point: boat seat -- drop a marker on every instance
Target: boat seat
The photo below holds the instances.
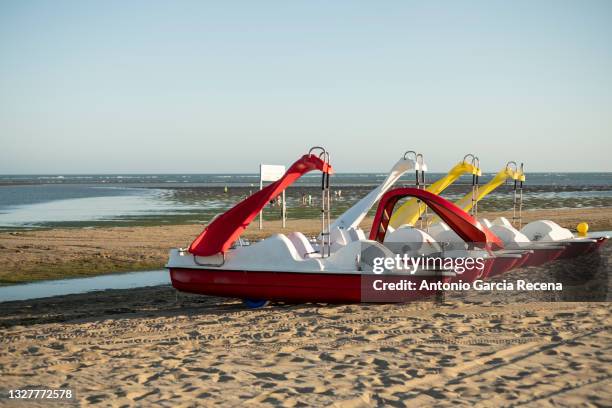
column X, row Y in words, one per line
column 444, row 235
column 437, row 228
column 342, row 237
column 276, row 252
column 338, row 237
column 356, row 234
column 502, row 221
column 486, row 222
column 508, row 234
column 407, row 239
column 302, row 245
column 357, row 254
column 545, row 230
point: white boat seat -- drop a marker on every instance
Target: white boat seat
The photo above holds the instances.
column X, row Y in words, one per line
column 276, row 248
column 356, row 234
column 545, row 230
column 437, row 228
column 447, row 237
column 509, row 234
column 486, row 222
column 502, row 221
column 276, row 252
column 342, row 237
column 338, row 237
column 357, row 254
column 412, row 240
column 302, row 245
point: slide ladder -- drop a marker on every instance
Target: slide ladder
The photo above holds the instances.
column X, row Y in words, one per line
column 517, row 219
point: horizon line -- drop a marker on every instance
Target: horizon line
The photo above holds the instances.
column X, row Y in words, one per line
column 255, row 173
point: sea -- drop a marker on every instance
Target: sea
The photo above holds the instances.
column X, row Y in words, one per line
column 95, row 200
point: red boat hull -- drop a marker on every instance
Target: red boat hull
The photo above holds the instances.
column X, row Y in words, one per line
column 347, row 288
column 299, row 287
column 540, row 256
column 578, row 248
column 502, row 265
column 472, row 274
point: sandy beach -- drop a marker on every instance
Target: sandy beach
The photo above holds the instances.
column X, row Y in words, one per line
column 57, row 253
column 148, row 346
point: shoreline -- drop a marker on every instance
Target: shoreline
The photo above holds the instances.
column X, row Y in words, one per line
column 35, row 255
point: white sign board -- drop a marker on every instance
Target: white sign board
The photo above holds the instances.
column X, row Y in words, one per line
column 270, row 172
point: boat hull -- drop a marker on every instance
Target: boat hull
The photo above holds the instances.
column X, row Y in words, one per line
column 300, row 287
column 577, row 248
column 540, row 256
column 502, row 264
column 330, row 287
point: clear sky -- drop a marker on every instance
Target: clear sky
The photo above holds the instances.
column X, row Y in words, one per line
column 181, row 86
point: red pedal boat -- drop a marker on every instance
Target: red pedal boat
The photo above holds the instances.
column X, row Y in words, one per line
column 290, row 268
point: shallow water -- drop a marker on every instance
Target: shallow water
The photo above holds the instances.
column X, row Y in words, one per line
column 109, row 200
column 61, row 287
column 312, row 179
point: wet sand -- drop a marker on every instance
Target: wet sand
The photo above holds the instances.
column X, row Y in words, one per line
column 52, row 254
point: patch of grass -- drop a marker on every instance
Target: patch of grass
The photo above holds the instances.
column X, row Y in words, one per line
column 74, row 269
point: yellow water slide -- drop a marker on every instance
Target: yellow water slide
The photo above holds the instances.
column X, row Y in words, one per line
column 466, row 203
column 410, row 211
column 509, row 172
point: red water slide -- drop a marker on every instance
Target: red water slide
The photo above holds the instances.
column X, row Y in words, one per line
column 219, row 235
column 466, row 226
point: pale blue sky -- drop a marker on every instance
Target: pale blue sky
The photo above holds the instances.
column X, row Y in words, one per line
column 197, row 87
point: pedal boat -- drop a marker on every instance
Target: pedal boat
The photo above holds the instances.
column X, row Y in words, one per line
column 287, row 268
column 281, row 268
